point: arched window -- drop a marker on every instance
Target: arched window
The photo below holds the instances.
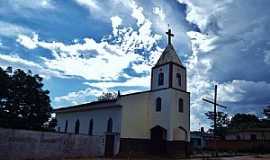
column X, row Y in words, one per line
column 178, row 76
column 66, row 126
column 110, row 125
column 180, row 105
column 160, row 79
column 158, row 104
column 77, row 126
column 91, row 124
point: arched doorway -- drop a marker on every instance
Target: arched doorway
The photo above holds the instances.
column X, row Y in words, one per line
column 180, row 134
column 185, row 131
column 158, row 140
column 109, row 143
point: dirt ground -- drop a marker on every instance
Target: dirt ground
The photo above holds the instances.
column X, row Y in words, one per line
column 250, row 157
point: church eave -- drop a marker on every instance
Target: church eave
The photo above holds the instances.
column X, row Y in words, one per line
column 89, row 106
column 180, row 90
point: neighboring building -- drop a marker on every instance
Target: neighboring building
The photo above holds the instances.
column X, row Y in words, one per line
column 156, row 120
column 249, row 134
column 199, row 139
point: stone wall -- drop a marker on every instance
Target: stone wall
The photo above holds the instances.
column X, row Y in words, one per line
column 24, row 144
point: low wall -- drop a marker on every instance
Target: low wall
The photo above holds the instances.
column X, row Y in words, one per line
column 24, row 144
column 240, row 145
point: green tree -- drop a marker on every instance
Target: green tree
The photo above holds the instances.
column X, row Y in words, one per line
column 241, row 121
column 107, row 96
column 222, row 122
column 4, row 83
column 222, row 118
column 266, row 120
column 24, row 102
column 266, row 112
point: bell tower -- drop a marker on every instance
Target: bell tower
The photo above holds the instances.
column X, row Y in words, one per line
column 170, row 101
column 169, row 71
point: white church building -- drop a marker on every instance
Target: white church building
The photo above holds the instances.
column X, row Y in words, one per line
column 156, row 121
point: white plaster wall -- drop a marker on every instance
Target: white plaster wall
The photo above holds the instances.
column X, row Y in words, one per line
column 177, row 69
column 155, row 72
column 178, row 119
column 135, row 115
column 139, row 114
column 161, row 118
column 99, row 116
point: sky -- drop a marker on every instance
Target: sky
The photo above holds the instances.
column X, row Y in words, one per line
column 83, row 48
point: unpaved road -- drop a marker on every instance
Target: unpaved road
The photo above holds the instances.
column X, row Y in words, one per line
column 251, row 157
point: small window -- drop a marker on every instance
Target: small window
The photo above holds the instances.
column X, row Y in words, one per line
column 77, row 127
column 91, row 124
column 110, row 125
column 180, row 105
column 158, row 104
column 160, row 79
column 178, row 76
column 253, row 137
column 66, row 126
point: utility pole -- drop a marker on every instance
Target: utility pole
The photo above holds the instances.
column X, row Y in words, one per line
column 215, row 111
column 215, row 115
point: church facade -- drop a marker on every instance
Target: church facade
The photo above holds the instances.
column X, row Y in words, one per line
column 157, row 120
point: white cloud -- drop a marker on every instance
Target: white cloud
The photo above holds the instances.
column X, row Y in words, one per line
column 91, row 4
column 137, row 13
column 27, row 42
column 89, row 55
column 79, row 97
column 158, row 11
column 116, row 22
column 17, row 59
column 132, row 81
column 232, row 34
column 242, row 90
column 17, row 62
column 106, row 55
column 201, row 42
column 102, row 61
column 95, row 89
column 201, row 12
column 12, row 30
column 32, row 4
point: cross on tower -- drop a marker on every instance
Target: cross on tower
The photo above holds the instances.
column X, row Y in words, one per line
column 170, row 35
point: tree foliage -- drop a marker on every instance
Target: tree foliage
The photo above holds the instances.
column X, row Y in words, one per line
column 23, row 101
column 222, row 119
column 266, row 112
column 107, row 96
column 222, row 122
column 241, row 121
